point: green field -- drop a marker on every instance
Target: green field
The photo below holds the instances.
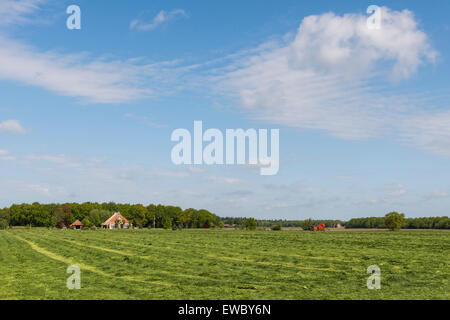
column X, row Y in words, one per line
column 215, row 264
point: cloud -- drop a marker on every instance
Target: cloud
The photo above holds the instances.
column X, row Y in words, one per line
column 65, row 161
column 6, row 156
column 17, row 11
column 79, row 75
column 92, row 80
column 43, row 190
column 161, row 18
column 271, row 207
column 430, row 131
column 336, row 75
column 12, row 126
column 239, row 193
column 395, row 190
column 223, row 180
column 344, row 44
column 196, row 169
column 71, row 75
column 436, row 195
column 144, row 120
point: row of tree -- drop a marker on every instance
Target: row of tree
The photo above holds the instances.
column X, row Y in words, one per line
column 239, row 222
column 169, row 217
column 408, row 223
column 371, row 222
column 93, row 214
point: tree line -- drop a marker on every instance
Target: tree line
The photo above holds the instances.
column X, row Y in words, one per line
column 408, row 223
column 370, row 222
column 171, row 217
column 93, row 214
column 239, row 222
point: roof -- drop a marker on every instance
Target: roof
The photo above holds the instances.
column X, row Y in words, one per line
column 114, row 217
column 76, row 223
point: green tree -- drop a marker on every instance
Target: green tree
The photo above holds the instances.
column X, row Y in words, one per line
column 63, row 215
column 4, row 219
column 186, row 218
column 167, row 224
column 307, row 224
column 250, row 224
column 394, row 220
column 98, row 216
column 87, row 222
column 137, row 215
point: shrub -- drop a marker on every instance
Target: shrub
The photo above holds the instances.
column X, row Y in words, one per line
column 394, row 220
column 87, row 222
column 250, row 224
column 307, row 225
column 4, row 224
column 276, row 227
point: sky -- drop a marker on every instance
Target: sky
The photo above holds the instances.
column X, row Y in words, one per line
column 363, row 114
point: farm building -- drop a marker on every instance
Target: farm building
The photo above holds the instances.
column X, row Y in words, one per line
column 116, row 221
column 77, row 225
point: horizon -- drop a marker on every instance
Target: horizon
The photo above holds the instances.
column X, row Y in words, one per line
column 225, row 217
column 363, row 113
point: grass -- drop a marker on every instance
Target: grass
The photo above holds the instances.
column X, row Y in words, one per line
column 215, row 264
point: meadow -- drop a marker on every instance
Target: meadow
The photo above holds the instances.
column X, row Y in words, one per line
column 220, row 264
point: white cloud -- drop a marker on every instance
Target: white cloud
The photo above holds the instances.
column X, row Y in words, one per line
column 271, row 207
column 43, row 190
column 161, row 18
column 344, row 44
column 61, row 160
column 16, row 11
column 12, row 126
column 144, row 120
column 437, row 195
column 71, row 75
column 197, row 169
column 91, row 79
column 223, row 180
column 337, row 75
column 6, row 156
column 396, row 190
column 430, row 131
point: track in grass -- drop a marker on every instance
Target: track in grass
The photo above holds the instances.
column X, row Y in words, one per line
column 214, row 264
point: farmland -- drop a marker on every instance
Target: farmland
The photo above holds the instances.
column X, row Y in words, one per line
column 217, row 264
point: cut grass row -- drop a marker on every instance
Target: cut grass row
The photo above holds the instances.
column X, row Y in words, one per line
column 202, row 264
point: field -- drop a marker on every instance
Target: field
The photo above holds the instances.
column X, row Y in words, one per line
column 215, row 264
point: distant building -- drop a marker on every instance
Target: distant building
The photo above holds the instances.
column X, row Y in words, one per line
column 77, row 225
column 116, row 221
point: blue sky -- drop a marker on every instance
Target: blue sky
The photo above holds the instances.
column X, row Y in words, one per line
column 364, row 116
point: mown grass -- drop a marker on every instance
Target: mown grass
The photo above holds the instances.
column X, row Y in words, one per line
column 216, row 264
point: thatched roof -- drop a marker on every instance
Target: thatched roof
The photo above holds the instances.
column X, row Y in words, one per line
column 77, row 223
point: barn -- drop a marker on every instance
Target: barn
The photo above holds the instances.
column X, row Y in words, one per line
column 116, row 221
column 77, row 225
